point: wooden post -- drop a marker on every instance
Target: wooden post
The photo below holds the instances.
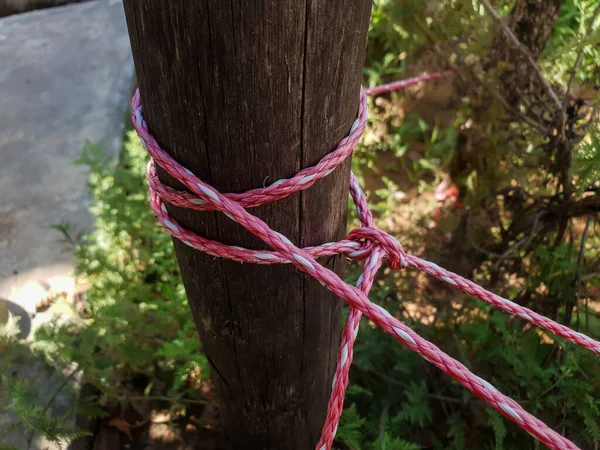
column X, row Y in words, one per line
column 244, row 93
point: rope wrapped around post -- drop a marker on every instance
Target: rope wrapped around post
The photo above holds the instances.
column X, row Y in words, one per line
column 366, row 243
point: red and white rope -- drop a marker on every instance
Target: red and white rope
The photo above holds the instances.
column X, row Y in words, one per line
column 366, row 243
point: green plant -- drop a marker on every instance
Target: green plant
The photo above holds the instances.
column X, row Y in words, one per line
column 421, row 404
column 507, row 172
column 135, row 320
column 518, row 230
column 132, row 335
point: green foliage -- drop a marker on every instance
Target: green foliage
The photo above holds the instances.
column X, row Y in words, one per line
column 136, row 319
column 134, row 334
column 4, row 446
column 555, row 270
column 425, row 405
column 349, row 429
column 33, row 418
column 587, row 162
column 496, row 421
column 352, row 430
column 389, row 443
column 21, row 400
column 8, row 334
column 571, row 36
column 415, row 410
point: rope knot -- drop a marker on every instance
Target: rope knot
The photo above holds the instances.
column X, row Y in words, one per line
column 392, row 247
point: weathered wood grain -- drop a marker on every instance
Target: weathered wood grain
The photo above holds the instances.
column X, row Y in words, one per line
column 245, row 92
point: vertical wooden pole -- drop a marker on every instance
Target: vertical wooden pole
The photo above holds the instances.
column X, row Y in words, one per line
column 243, row 93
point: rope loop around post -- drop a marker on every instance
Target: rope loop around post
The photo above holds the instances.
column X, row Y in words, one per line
column 365, row 243
column 278, row 190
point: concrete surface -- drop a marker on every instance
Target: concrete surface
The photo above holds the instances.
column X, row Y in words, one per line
column 8, row 7
column 65, row 77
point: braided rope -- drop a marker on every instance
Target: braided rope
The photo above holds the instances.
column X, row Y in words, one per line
column 365, row 243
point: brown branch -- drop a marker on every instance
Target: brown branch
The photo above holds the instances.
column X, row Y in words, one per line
column 465, row 67
column 516, row 111
column 583, row 207
column 552, row 211
column 521, row 48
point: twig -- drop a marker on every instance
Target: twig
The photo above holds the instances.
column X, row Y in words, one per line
column 445, row 398
column 517, row 44
column 590, row 276
column 516, row 111
column 521, row 244
column 578, row 61
column 387, row 378
column 577, row 285
column 383, row 420
column 435, row 396
column 162, row 398
column 482, row 250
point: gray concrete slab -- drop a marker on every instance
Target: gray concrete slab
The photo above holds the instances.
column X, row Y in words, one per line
column 65, row 77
